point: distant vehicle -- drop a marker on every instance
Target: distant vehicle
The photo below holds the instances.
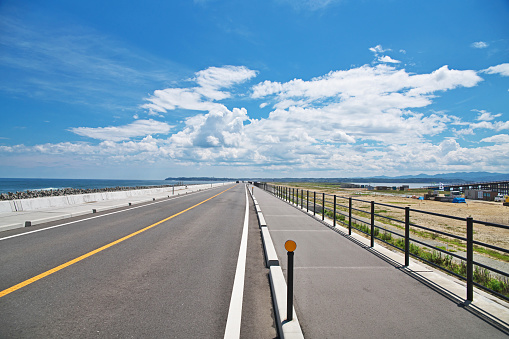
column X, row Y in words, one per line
column 501, row 198
column 237, row 181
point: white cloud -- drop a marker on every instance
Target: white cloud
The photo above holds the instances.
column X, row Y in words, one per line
column 369, row 118
column 479, row 44
column 378, row 49
column 382, row 81
column 223, row 77
column 486, row 116
column 201, row 97
column 186, row 98
column 498, row 139
column 502, row 69
column 119, row 133
column 388, row 59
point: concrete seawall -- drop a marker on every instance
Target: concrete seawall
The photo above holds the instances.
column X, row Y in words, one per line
column 32, row 204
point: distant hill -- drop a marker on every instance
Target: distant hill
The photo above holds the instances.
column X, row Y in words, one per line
column 450, row 178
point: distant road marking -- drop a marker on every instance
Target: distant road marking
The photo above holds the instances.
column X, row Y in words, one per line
column 89, row 254
column 234, row 319
column 98, row 216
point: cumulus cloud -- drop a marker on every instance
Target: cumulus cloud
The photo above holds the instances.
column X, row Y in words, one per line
column 119, row 133
column 388, row 59
column 479, row 44
column 223, row 77
column 381, row 81
column 202, row 97
column 378, row 49
column 486, row 116
column 499, row 139
column 502, row 69
column 373, row 117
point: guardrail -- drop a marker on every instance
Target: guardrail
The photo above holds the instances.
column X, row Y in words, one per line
column 412, row 239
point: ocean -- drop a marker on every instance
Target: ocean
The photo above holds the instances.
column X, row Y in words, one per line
column 23, row 184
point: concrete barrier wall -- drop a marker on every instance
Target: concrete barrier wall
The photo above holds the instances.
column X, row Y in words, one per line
column 6, row 206
column 65, row 200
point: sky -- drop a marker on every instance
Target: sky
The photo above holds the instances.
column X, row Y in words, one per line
column 268, row 88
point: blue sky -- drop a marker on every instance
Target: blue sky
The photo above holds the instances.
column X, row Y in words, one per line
column 281, row 88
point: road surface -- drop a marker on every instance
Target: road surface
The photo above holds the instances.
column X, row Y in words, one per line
column 165, row 269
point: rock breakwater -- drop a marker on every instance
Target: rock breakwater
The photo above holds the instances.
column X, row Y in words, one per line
column 70, row 191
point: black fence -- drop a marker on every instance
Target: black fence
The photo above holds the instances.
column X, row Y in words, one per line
column 414, row 240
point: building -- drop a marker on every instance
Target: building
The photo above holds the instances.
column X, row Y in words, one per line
column 480, row 195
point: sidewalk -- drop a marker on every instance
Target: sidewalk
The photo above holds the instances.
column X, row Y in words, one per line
column 345, row 289
column 13, row 220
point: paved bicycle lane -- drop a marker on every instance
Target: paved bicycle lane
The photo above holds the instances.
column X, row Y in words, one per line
column 343, row 289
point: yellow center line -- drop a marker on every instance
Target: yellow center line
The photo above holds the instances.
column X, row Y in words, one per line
column 89, row 254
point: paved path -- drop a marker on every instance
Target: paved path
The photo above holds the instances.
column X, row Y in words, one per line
column 172, row 280
column 343, row 289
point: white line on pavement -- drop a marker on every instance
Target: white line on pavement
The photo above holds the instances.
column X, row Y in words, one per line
column 235, row 312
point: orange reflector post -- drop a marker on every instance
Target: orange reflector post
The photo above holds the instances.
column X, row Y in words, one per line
column 290, row 245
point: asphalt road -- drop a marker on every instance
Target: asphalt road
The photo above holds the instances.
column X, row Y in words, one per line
column 173, row 280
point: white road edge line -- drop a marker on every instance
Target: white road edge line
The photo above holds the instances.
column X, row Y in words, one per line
column 95, row 217
column 235, row 312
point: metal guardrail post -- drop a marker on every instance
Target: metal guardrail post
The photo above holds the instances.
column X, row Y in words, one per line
column 323, row 206
column 350, row 216
column 407, row 236
column 372, row 224
column 470, row 259
column 301, row 199
column 314, row 203
column 334, row 216
column 307, row 201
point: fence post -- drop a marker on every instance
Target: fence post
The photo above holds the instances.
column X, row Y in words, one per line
column 350, row 216
column 372, row 224
column 323, row 206
column 290, row 246
column 407, row 236
column 307, row 201
column 301, row 199
column 334, row 217
column 470, row 259
column 314, row 203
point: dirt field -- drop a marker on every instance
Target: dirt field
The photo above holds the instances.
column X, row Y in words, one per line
column 479, row 210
